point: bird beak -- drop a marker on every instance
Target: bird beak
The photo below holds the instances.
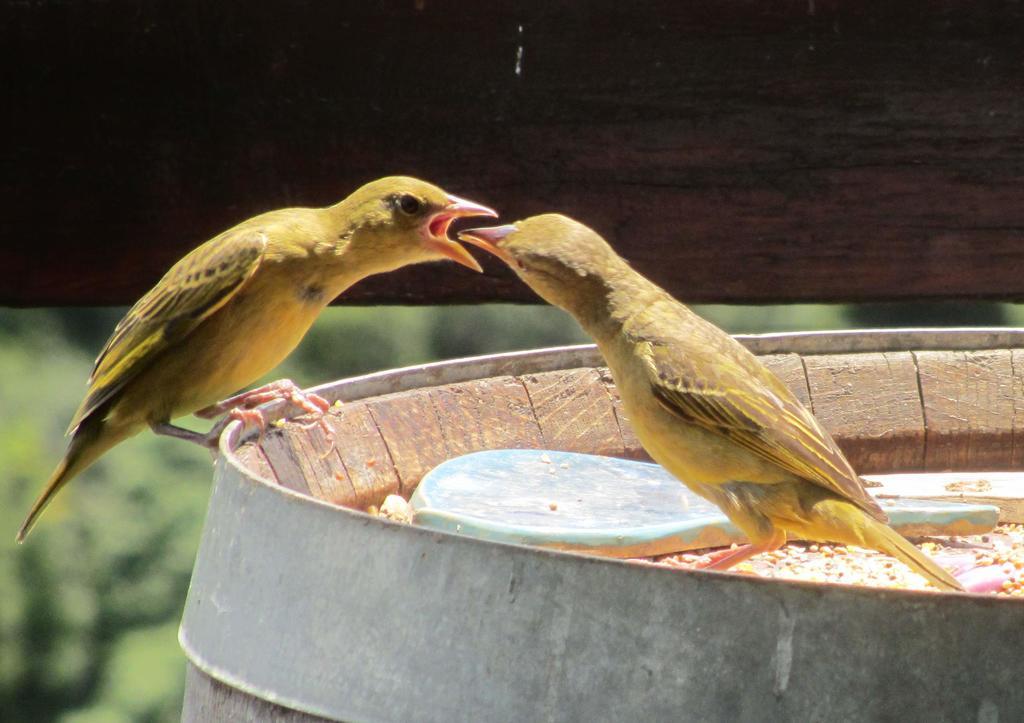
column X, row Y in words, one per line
column 490, row 239
column 437, row 239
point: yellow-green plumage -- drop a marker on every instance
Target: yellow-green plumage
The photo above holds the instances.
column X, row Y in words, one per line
column 235, row 307
column 702, row 405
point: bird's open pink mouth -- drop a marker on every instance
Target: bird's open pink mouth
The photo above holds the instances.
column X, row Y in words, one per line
column 439, row 223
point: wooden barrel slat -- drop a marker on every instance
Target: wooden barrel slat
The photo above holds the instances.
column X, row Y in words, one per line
column 303, row 460
column 968, row 408
column 283, row 458
column 574, row 411
column 211, row 700
column 1017, row 442
column 889, row 411
column 490, row 413
column 632, row 449
column 790, row 369
column 408, row 424
column 870, row 403
column 364, row 457
column 254, row 457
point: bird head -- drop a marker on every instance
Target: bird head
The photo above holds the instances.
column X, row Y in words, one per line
column 559, row 258
column 400, row 220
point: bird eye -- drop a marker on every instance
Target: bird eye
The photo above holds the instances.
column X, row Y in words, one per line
column 409, row 204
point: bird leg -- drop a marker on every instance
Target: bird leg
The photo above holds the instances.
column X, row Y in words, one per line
column 169, row 430
column 282, row 389
column 724, row 559
column 211, row 439
column 242, row 407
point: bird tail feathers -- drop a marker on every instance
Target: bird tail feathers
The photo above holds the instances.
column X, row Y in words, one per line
column 885, row 539
column 92, row 438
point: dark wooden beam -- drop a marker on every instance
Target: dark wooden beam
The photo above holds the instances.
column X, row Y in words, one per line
column 739, row 151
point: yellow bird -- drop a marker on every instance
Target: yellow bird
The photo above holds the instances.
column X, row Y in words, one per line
column 702, row 405
column 235, row 307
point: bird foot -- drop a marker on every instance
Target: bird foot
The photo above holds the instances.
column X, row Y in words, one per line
column 283, row 389
column 243, row 408
column 211, row 439
column 247, row 417
column 724, row 559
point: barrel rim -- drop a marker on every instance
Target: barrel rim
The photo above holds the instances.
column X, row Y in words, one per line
column 806, row 343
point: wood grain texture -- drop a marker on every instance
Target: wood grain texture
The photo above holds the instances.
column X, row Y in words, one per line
column 283, row 459
column 1017, row 364
column 790, row 369
column 363, row 454
column 254, row 458
column 409, row 426
column 870, row 403
column 574, row 411
column 304, row 460
column 969, row 408
column 778, row 150
column 631, row 447
column 490, row 413
column 890, row 412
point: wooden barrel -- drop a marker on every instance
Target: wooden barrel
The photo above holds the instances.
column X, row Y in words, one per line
column 303, row 608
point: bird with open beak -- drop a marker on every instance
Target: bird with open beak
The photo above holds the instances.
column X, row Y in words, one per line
column 702, row 405
column 235, row 307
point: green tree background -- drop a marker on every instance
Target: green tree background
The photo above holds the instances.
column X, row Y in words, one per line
column 89, row 606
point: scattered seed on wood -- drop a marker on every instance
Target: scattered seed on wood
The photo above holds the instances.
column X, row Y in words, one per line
column 998, row 555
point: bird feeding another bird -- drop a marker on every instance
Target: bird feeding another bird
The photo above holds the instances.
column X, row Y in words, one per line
column 702, row 405
column 233, row 309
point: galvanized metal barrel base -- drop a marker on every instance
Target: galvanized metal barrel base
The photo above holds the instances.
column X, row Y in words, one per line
column 298, row 607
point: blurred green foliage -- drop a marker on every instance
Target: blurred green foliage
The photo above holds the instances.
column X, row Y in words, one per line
column 89, row 605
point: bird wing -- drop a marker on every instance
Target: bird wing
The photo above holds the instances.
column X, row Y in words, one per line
column 749, row 405
column 193, row 289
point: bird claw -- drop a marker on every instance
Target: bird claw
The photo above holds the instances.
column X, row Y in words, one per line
column 242, row 407
column 249, row 417
column 724, row 559
column 321, row 422
column 720, row 559
column 308, row 402
column 283, row 389
column 316, row 406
